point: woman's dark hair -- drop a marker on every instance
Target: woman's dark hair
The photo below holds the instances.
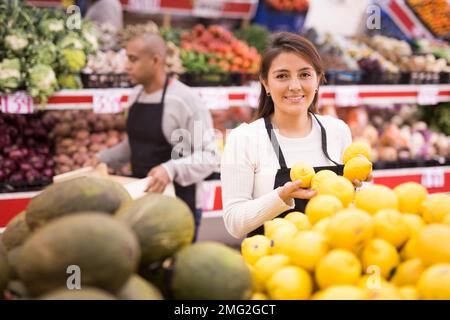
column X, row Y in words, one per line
column 287, row 42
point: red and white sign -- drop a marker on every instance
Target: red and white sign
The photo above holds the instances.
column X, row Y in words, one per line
column 18, row 102
column 107, row 102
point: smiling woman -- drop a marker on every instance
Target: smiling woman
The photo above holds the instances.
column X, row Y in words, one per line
column 256, row 184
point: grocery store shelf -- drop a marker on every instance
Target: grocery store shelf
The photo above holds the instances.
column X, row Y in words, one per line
column 225, row 97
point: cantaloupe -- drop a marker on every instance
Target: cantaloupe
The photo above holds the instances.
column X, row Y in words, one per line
column 4, row 270
column 210, row 271
column 86, row 293
column 105, row 250
column 162, row 224
column 76, row 195
column 138, row 288
column 16, row 232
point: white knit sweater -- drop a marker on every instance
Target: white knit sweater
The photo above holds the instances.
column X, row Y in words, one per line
column 249, row 166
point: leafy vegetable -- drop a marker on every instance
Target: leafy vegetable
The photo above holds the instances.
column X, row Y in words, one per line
column 10, row 75
column 41, row 81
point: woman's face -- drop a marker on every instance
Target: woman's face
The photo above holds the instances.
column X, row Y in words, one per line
column 291, row 82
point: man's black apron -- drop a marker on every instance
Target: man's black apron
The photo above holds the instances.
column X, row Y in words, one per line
column 283, row 174
column 149, row 146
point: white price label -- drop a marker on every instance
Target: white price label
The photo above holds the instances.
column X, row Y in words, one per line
column 18, row 102
column 433, row 178
column 347, row 96
column 428, row 95
column 253, row 94
column 215, row 98
column 107, row 103
column 208, row 8
column 144, row 5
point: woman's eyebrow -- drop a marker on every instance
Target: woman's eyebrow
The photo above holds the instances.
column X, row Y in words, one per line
column 286, row 70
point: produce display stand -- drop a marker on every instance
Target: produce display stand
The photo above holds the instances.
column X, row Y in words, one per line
column 435, row 179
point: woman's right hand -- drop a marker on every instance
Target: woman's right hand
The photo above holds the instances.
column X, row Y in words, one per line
column 292, row 190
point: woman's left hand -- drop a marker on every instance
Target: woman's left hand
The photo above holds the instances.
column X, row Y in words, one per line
column 358, row 183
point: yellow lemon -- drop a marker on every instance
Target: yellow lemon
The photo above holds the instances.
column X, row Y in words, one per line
column 304, row 172
column 408, row 273
column 300, row 220
column 434, row 283
column 381, row 254
column 446, row 220
column 409, row 250
column 254, row 248
column 350, row 229
column 410, row 197
column 341, row 292
column 281, row 237
column 306, row 249
column 322, row 226
column 322, row 206
column 432, row 244
column 290, row 283
column 414, row 223
column 357, row 148
column 387, row 291
column 321, row 176
column 408, row 293
column 338, row 267
column 339, row 187
column 271, row 225
column 375, row 198
column 435, row 208
column 358, row 167
column 265, row 267
column 390, row 226
column 259, row 296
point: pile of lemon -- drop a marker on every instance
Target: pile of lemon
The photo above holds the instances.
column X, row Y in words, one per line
column 377, row 243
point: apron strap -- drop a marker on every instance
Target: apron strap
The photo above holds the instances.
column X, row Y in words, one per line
column 324, row 140
column 275, row 144
column 166, row 84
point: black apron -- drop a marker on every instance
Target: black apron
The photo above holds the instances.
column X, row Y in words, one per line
column 283, row 174
column 149, row 146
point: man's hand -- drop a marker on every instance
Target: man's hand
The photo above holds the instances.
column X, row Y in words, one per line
column 160, row 179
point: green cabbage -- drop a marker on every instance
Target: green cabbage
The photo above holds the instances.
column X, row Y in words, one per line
column 90, row 37
column 72, row 41
column 69, row 81
column 45, row 53
column 41, row 81
column 10, row 75
column 72, row 60
column 51, row 27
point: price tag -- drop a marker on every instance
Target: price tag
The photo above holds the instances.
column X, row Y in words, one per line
column 106, row 102
column 208, row 8
column 253, row 94
column 433, row 178
column 428, row 95
column 144, row 5
column 215, row 98
column 18, row 102
column 347, row 96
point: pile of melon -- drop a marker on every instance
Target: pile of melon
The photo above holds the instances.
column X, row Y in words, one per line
column 87, row 239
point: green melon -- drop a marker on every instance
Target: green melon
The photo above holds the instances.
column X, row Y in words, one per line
column 137, row 288
column 16, row 232
column 13, row 261
column 4, row 270
column 105, row 250
column 76, row 195
column 85, row 293
column 210, row 271
column 162, row 224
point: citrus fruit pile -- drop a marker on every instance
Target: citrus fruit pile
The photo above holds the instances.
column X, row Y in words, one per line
column 375, row 243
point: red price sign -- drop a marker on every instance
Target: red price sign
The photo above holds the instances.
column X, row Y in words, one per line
column 428, row 95
column 347, row 96
column 215, row 98
column 107, row 103
column 18, row 102
column 144, row 5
